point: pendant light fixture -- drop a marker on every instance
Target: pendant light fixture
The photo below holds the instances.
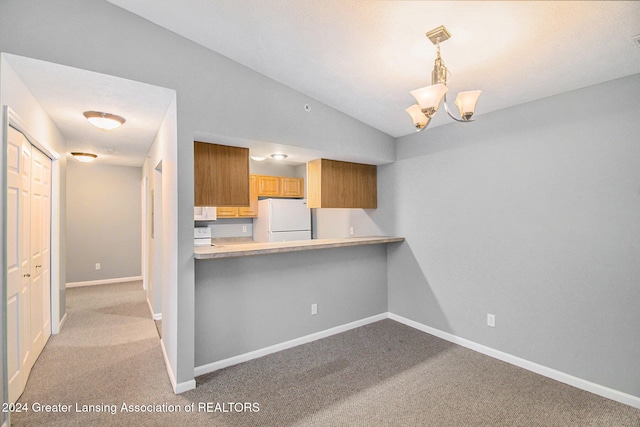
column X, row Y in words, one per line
column 104, row 121
column 429, row 98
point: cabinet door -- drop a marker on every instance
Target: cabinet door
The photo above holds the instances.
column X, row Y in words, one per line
column 252, row 210
column 227, row 212
column 268, row 185
column 337, row 184
column 292, row 187
column 221, row 175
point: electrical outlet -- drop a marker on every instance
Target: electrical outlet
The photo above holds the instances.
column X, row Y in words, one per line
column 350, row 231
column 491, row 320
column 244, row 228
column 314, row 309
column 97, row 266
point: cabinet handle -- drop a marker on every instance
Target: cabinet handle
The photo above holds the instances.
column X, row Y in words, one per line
column 26, row 275
column 38, row 266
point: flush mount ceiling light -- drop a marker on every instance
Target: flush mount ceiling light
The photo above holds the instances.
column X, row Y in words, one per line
column 104, row 121
column 429, row 98
column 279, row 156
column 84, row 157
column 257, row 158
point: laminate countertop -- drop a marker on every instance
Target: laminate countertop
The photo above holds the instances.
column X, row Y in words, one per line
column 240, row 249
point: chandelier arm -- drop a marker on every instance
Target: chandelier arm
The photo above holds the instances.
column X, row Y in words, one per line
column 446, row 108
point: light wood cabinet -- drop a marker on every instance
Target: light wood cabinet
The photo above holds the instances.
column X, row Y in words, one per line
column 221, row 175
column 227, row 212
column 280, row 186
column 336, row 184
column 268, row 186
column 252, row 210
column 292, row 187
column 242, row 211
column 264, row 186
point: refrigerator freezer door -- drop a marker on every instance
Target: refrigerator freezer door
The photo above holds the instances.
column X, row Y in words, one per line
column 289, row 215
column 287, row 236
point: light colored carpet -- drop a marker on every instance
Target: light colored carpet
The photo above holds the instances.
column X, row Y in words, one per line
column 383, row 374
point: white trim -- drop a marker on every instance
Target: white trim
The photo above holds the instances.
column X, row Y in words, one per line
column 562, row 377
column 210, row 367
column 103, row 281
column 155, row 316
column 64, row 319
column 177, row 388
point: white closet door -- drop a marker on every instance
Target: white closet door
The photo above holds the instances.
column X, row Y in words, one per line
column 39, row 252
column 28, row 258
column 18, row 304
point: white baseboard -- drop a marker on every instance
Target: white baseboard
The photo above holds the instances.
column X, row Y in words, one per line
column 155, row 316
column 562, row 377
column 103, row 282
column 210, row 367
column 61, row 324
column 177, row 387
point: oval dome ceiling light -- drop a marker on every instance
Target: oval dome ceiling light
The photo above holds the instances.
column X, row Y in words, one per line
column 257, row 158
column 279, row 156
column 84, row 157
column 104, row 121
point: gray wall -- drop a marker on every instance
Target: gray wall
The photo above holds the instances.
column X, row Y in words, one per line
column 211, row 99
column 103, row 221
column 532, row 214
column 248, row 303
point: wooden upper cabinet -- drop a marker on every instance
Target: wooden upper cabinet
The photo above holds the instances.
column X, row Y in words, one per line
column 243, row 212
column 268, row 185
column 336, row 184
column 292, row 187
column 221, row 175
column 280, row 186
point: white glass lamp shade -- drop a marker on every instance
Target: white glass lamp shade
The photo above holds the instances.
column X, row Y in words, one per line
column 104, row 121
column 429, row 98
column 420, row 121
column 466, row 103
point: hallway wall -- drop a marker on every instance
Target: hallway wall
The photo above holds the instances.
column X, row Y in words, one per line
column 103, row 221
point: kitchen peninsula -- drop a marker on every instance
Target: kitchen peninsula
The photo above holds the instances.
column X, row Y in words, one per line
column 263, row 248
column 252, row 299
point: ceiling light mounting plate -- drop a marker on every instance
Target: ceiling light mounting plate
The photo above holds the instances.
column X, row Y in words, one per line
column 438, row 35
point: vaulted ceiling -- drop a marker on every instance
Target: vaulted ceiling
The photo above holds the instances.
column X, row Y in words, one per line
column 362, row 57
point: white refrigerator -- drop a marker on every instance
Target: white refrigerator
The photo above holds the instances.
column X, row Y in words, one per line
column 282, row 220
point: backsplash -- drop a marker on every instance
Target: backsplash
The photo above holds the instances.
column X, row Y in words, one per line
column 224, row 228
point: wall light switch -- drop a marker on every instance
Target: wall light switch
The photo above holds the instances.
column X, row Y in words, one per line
column 314, row 309
column 97, row 266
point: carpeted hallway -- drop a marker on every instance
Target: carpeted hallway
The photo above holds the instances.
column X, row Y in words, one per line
column 384, row 374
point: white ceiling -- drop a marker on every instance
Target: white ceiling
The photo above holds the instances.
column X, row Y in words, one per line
column 359, row 57
column 66, row 92
column 363, row 57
